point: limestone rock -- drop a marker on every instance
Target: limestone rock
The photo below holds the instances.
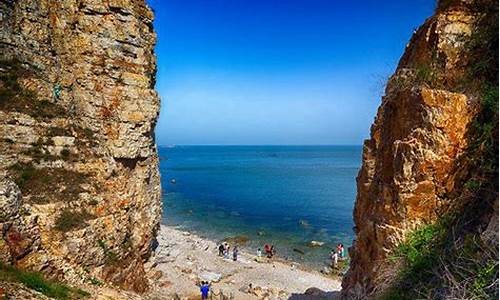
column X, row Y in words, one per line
column 411, row 161
column 10, row 200
column 210, row 276
column 78, row 133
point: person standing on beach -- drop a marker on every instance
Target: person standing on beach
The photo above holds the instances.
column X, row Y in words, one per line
column 235, row 253
column 259, row 252
column 221, row 250
column 267, row 250
column 334, row 257
column 226, row 251
column 204, row 289
column 339, row 250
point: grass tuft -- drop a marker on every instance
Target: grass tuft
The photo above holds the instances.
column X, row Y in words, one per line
column 37, row 282
column 69, row 220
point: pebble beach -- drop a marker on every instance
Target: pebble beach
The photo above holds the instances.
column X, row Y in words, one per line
column 183, row 259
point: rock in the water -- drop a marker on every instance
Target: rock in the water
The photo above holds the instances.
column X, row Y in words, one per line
column 316, row 244
column 298, row 251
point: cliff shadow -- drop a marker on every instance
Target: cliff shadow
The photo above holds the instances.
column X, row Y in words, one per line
column 315, row 294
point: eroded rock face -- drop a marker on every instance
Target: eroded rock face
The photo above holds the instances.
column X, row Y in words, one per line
column 411, row 162
column 10, row 200
column 77, row 115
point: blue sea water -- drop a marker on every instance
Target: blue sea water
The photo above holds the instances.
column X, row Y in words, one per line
column 281, row 195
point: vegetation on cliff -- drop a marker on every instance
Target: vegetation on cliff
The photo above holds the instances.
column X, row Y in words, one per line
column 37, row 282
column 77, row 100
column 453, row 258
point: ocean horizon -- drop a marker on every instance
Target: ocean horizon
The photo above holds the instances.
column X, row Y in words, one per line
column 282, row 195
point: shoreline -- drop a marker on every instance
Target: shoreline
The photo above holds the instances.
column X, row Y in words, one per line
column 182, row 259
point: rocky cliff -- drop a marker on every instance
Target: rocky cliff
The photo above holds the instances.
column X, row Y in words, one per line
column 79, row 188
column 422, row 148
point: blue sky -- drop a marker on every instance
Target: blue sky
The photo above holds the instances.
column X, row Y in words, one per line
column 274, row 71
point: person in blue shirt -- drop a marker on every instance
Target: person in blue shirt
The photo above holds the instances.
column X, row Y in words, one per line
column 204, row 289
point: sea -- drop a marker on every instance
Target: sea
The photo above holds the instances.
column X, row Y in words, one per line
column 286, row 196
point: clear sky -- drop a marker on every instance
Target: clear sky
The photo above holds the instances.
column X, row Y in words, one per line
column 276, row 71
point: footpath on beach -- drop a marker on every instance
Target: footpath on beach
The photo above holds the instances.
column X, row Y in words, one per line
column 182, row 260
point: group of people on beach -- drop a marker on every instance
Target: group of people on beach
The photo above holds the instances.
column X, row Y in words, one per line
column 337, row 254
column 225, row 249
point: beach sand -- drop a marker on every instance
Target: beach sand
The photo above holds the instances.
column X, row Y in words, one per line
column 182, row 259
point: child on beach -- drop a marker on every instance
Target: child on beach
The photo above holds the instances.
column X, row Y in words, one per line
column 221, row 250
column 259, row 252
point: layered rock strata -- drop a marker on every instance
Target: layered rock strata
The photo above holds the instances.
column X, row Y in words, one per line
column 80, row 190
column 412, row 164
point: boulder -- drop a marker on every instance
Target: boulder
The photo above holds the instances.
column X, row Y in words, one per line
column 210, row 276
column 316, row 244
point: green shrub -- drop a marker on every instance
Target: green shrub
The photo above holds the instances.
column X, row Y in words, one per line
column 425, row 74
column 473, row 185
column 37, row 282
column 95, row 281
column 46, row 185
column 419, row 250
column 69, row 220
column 437, row 263
column 13, row 97
column 111, row 257
column 23, row 173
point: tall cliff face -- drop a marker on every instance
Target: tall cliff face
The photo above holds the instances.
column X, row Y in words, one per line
column 80, row 192
column 414, row 164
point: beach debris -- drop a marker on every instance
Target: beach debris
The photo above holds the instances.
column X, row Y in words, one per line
column 210, row 276
column 316, row 244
